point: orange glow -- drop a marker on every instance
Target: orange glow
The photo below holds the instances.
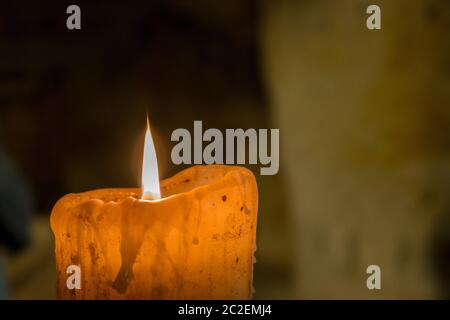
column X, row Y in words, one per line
column 195, row 243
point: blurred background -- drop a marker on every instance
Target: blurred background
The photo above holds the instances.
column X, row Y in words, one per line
column 363, row 115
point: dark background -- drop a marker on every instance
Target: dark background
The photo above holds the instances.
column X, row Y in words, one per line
column 75, row 101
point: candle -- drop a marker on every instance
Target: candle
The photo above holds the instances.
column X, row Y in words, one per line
column 196, row 242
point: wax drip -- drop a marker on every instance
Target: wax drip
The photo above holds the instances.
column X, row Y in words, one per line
column 121, row 282
column 133, row 235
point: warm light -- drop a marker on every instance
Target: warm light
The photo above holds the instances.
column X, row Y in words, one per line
column 150, row 177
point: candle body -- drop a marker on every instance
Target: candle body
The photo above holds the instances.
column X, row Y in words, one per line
column 196, row 243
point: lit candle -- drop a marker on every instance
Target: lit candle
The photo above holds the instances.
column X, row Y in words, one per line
column 196, row 242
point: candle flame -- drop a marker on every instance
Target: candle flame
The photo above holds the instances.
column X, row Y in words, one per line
column 150, row 177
